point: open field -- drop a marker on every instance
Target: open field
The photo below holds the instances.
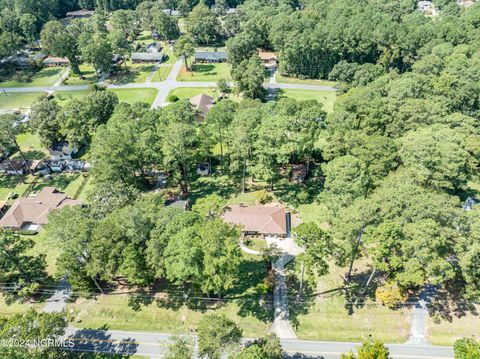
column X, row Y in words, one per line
column 294, row 80
column 88, row 72
column 461, row 324
column 19, row 100
column 327, row 98
column 8, row 308
column 332, row 318
column 170, row 312
column 62, row 97
column 206, row 72
column 187, row 92
column 45, row 77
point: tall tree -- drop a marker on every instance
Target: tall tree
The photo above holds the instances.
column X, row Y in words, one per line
column 203, row 24
column 44, row 120
column 184, row 47
column 9, row 130
column 217, row 335
column 249, row 76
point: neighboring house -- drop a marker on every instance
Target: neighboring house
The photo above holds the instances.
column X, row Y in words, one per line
column 56, row 166
column 53, row 61
column 117, row 60
column 258, row 220
column 74, row 165
column 80, row 14
column 202, row 103
column 269, row 59
column 62, row 151
column 203, row 169
column 18, row 167
column 210, row 56
column 146, row 57
column 154, row 48
column 171, row 12
column 30, row 213
column 38, row 57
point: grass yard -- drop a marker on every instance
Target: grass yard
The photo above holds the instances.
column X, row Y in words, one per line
column 293, row 80
column 44, row 246
column 13, row 184
column 132, row 96
column 69, row 183
column 445, row 332
column 86, row 190
column 7, row 308
column 161, row 74
column 313, row 212
column 19, row 100
column 62, row 97
column 43, row 78
column 187, row 92
column 31, row 147
column 88, row 72
column 327, row 98
column 206, row 72
column 166, row 314
column 136, row 73
column 329, row 318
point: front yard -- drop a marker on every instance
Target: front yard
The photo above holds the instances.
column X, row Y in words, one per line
column 124, row 95
column 294, row 80
column 89, row 77
column 461, row 323
column 19, row 100
column 187, row 92
column 206, row 72
column 44, row 78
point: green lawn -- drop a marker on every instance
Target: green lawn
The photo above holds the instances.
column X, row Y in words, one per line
column 31, row 147
column 124, row 95
column 131, row 96
column 69, row 183
column 168, row 314
column 161, row 74
column 86, row 190
column 293, row 80
column 45, row 77
column 19, row 100
column 187, row 92
column 135, row 73
column 88, row 73
column 329, row 318
column 447, row 331
column 206, row 72
column 327, row 98
column 44, row 246
column 313, row 212
column 13, row 184
column 7, row 308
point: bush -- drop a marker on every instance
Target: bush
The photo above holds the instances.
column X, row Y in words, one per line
column 263, row 197
column 302, row 197
column 390, row 295
column 467, row 348
column 222, row 86
column 173, row 98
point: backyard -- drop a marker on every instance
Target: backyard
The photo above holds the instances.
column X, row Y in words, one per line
column 206, row 72
column 44, row 78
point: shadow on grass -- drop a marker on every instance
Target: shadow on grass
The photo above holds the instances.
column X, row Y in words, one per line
column 205, row 186
column 59, row 181
column 450, row 303
column 203, row 68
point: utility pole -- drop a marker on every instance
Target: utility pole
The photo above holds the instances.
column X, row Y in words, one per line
column 354, row 254
column 301, row 278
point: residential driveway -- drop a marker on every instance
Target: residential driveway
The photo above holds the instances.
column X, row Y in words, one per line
column 57, row 303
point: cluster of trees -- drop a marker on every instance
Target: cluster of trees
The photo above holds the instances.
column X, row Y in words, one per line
column 401, row 152
column 261, row 139
column 143, row 242
column 76, row 121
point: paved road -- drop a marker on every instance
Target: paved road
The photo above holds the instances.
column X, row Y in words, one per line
column 154, row 345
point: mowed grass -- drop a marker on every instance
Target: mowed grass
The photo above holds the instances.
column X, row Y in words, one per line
column 31, row 146
column 124, row 95
column 45, row 77
column 187, row 92
column 19, row 100
column 329, row 318
column 446, row 332
column 68, row 183
column 161, row 74
column 206, row 72
column 9, row 184
column 8, row 308
column 135, row 73
column 43, row 245
column 294, row 80
column 89, row 77
column 327, row 98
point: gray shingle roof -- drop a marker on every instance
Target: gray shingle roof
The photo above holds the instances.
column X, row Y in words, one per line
column 211, row 55
column 146, row 56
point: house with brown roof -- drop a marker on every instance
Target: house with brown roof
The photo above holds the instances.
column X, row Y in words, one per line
column 202, row 103
column 258, row 220
column 269, row 59
column 30, row 213
column 53, row 61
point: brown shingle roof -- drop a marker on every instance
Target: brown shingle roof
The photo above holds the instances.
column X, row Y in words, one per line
column 202, row 103
column 35, row 209
column 260, row 219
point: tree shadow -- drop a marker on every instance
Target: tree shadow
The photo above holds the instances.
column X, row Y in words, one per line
column 203, row 68
column 100, row 341
column 204, row 186
column 450, row 303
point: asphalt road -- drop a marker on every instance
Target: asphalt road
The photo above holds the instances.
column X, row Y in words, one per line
column 154, row 345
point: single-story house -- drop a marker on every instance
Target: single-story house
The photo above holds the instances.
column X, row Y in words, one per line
column 146, row 57
column 79, row 14
column 258, row 220
column 18, row 166
column 31, row 212
column 171, row 12
column 53, row 61
column 62, row 151
column 117, row 60
column 154, row 48
column 202, row 103
column 39, row 57
column 269, row 59
column 75, row 165
column 210, row 56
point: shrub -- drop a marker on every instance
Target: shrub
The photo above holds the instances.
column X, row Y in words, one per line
column 467, row 348
column 222, row 85
column 390, row 295
column 263, row 196
column 173, row 98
